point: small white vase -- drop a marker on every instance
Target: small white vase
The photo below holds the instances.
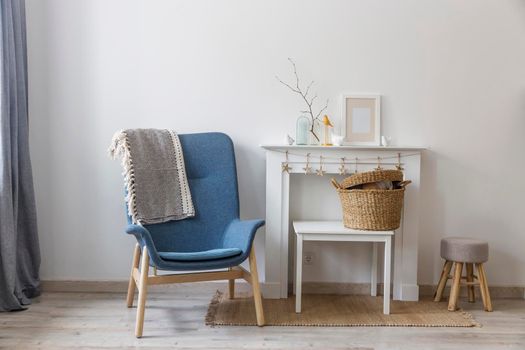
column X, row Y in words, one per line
column 337, row 140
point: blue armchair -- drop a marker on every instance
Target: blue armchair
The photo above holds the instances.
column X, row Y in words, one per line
column 214, row 239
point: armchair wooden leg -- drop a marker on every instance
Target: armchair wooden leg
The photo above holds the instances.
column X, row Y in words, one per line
column 231, row 285
column 454, row 292
column 256, row 289
column 470, row 279
column 131, row 285
column 143, row 285
column 443, row 280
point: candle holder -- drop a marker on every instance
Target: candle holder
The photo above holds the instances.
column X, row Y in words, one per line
column 327, row 131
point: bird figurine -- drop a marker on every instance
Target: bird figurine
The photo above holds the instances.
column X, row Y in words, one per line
column 327, row 139
column 288, row 140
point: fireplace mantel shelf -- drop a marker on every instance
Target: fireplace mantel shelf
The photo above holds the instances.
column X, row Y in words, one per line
column 273, row 147
column 278, row 206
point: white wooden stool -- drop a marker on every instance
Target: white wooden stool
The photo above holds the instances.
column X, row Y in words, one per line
column 334, row 231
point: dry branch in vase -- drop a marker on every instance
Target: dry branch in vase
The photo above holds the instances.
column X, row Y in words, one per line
column 308, row 100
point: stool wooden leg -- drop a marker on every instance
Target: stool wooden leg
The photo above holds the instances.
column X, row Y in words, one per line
column 454, row 292
column 373, row 273
column 470, row 279
column 298, row 273
column 386, row 272
column 484, row 288
column 443, row 280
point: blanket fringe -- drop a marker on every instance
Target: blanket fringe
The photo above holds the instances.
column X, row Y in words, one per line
column 120, row 147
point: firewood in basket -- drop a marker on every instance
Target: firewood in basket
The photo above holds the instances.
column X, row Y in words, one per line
column 380, row 185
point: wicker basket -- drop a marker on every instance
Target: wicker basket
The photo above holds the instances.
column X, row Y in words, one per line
column 371, row 176
column 377, row 210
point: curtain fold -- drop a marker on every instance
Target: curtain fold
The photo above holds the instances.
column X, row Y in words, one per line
column 19, row 248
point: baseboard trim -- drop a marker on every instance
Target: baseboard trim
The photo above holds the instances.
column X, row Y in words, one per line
column 271, row 290
column 497, row 292
column 71, row 286
column 82, row 286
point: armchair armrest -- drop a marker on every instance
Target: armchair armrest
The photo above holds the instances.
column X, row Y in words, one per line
column 240, row 234
column 144, row 239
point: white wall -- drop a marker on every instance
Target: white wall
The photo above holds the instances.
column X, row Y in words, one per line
column 451, row 74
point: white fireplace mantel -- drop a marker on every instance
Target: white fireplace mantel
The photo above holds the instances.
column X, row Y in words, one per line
column 277, row 208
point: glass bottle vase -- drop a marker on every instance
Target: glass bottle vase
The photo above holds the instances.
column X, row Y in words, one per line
column 302, row 130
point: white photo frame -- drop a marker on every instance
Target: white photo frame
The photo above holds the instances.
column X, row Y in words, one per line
column 361, row 119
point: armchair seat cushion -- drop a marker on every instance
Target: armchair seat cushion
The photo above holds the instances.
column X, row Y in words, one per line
column 204, row 255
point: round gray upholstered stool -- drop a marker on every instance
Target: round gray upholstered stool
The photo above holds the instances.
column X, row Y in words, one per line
column 467, row 252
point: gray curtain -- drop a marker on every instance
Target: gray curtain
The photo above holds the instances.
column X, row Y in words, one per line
column 19, row 251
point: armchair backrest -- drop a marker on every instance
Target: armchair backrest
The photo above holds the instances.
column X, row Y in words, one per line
column 212, row 177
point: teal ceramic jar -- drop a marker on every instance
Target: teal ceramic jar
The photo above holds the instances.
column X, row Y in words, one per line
column 302, row 129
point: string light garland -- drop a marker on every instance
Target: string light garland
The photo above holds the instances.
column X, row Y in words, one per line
column 371, row 159
column 343, row 170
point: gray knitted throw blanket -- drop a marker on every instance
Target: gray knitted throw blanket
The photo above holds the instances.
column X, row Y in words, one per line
column 154, row 175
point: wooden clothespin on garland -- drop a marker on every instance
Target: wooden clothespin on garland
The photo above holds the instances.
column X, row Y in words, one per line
column 285, row 166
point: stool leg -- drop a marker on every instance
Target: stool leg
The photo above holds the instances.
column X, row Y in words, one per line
column 484, row 288
column 470, row 288
column 454, row 292
column 387, row 272
column 373, row 273
column 443, row 280
column 298, row 273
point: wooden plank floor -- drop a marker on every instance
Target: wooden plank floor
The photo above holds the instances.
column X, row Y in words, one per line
column 175, row 319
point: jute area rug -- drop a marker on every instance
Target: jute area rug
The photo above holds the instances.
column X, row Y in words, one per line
column 326, row 310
